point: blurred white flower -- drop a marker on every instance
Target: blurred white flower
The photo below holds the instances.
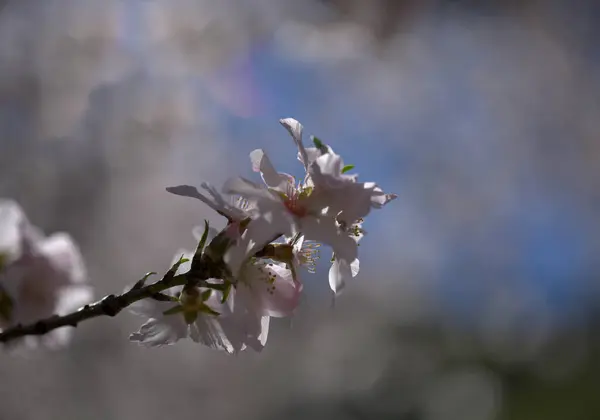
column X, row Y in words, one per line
column 41, row 276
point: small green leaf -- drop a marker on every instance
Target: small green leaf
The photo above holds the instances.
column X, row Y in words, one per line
column 174, row 310
column 305, row 193
column 207, row 310
column 319, row 145
column 226, row 292
column 347, row 168
column 140, row 283
column 205, row 295
column 202, row 239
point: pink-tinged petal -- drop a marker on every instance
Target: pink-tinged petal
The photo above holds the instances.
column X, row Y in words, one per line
column 339, row 273
column 273, row 179
column 65, row 257
column 160, row 332
column 275, row 291
column 244, row 325
column 73, row 297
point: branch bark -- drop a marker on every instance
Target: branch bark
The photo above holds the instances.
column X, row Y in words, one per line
column 110, row 305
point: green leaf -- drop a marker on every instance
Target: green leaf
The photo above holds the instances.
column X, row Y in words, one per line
column 207, row 310
column 140, row 283
column 319, row 145
column 305, row 192
column 347, row 168
column 202, row 239
column 226, row 292
column 205, row 295
column 174, row 310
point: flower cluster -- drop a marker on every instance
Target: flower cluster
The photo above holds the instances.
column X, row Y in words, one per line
column 275, row 228
column 39, row 276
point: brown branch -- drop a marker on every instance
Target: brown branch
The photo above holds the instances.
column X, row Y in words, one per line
column 110, row 305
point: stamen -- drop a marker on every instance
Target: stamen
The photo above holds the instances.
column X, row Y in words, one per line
column 309, row 254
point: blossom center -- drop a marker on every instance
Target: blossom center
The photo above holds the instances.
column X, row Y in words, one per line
column 293, row 201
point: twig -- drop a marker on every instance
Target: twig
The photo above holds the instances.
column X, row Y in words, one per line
column 110, row 305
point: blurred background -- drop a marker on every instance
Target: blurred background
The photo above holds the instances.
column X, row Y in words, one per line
column 478, row 297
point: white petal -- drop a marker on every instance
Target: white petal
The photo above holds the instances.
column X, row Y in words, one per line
column 355, row 267
column 73, row 297
column 217, row 203
column 259, row 232
column 11, row 219
column 278, row 297
column 248, row 189
column 264, row 330
column 150, row 308
column 160, row 332
column 273, row 179
column 245, row 326
column 295, row 130
column 339, row 273
column 64, row 255
column 207, row 331
column 325, row 230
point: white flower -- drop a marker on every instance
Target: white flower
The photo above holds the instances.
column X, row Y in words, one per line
column 43, row 277
column 283, row 208
column 262, row 290
column 347, row 199
column 192, row 312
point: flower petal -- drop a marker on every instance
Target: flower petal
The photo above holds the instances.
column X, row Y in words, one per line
column 295, row 130
column 160, row 332
column 278, row 181
column 64, row 255
column 326, row 231
column 217, row 203
column 206, row 330
column 339, row 273
column 274, row 288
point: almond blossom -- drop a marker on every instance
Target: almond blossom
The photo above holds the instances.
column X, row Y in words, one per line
column 42, row 276
column 185, row 312
column 321, row 207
